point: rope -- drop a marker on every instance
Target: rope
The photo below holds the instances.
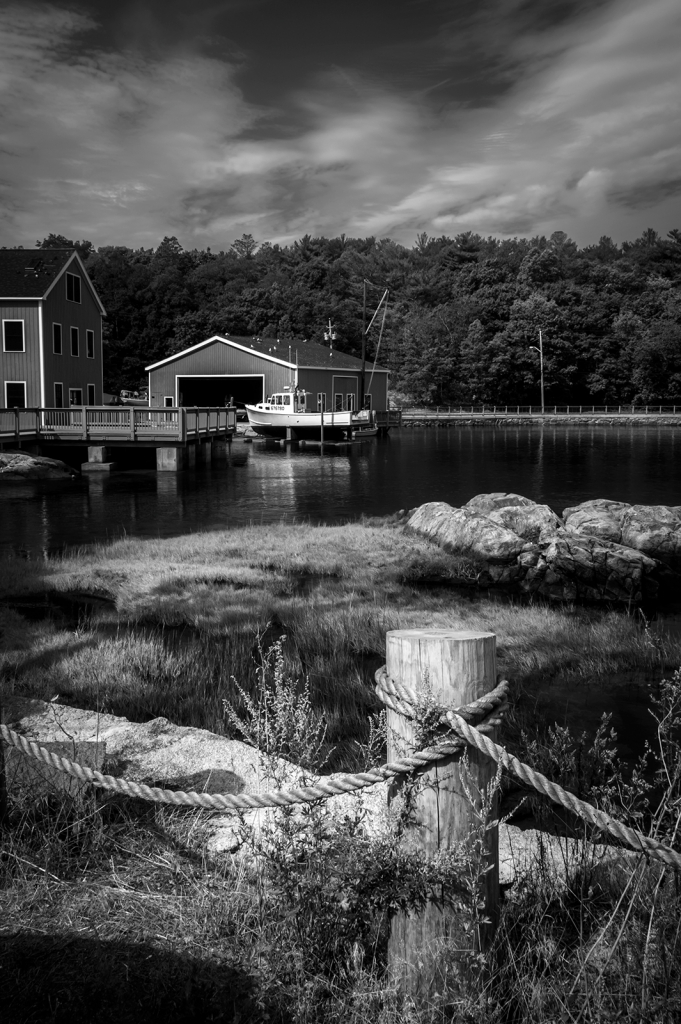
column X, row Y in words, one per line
column 556, row 793
column 250, row 801
column 404, row 700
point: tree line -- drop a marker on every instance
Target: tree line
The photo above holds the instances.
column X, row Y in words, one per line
column 462, row 317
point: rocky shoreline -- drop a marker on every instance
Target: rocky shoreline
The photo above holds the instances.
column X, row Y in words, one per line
column 445, row 421
column 599, row 551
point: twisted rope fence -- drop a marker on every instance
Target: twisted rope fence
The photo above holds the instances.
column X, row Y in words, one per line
column 486, row 711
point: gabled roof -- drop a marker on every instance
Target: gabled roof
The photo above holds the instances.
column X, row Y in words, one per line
column 32, row 273
column 304, row 354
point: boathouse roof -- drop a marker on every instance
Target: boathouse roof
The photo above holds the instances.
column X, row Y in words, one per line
column 291, row 353
column 31, row 273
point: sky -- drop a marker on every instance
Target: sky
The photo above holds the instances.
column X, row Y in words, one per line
column 206, row 119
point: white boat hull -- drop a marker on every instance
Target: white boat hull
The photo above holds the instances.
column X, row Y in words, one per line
column 274, row 423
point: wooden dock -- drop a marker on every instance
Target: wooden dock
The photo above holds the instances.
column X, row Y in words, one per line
column 181, row 436
column 114, row 425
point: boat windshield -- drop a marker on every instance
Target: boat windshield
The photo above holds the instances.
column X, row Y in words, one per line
column 297, row 401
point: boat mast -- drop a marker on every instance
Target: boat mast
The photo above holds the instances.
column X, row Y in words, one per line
column 362, row 387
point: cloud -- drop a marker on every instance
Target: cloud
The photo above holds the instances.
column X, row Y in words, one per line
column 581, row 132
column 104, row 143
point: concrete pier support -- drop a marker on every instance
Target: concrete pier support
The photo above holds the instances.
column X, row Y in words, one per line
column 204, row 452
column 191, row 455
column 171, row 460
column 221, row 449
column 97, row 460
column 97, row 453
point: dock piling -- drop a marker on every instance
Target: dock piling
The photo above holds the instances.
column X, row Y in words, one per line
column 451, row 668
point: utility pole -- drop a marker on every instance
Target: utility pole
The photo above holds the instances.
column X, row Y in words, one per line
column 540, row 350
column 541, row 369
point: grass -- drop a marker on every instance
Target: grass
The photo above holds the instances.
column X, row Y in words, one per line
column 176, row 621
column 112, row 909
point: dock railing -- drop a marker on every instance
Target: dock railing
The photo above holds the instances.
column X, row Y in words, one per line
column 94, row 424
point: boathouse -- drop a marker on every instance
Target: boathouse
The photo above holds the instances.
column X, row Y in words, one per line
column 225, row 370
column 51, row 346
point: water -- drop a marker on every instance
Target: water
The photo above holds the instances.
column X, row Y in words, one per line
column 260, row 482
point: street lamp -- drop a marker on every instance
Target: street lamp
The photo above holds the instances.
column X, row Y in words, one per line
column 540, row 350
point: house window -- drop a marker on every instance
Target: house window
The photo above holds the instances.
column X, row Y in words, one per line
column 59, row 396
column 73, row 287
column 15, row 394
column 338, row 402
column 90, row 394
column 351, row 402
column 74, row 341
column 75, row 396
column 90, row 344
column 13, row 335
column 56, row 339
column 321, row 401
column 168, row 401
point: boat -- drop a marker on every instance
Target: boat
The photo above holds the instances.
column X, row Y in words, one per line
column 136, row 398
column 287, row 414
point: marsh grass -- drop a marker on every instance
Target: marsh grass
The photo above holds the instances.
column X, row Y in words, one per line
column 176, row 620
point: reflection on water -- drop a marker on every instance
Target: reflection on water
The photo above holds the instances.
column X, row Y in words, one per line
column 257, row 483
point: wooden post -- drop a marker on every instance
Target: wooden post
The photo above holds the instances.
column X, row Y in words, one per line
column 455, row 668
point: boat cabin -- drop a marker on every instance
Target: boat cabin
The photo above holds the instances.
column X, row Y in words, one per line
column 285, row 401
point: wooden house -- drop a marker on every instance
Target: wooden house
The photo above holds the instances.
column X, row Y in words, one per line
column 225, row 370
column 51, row 347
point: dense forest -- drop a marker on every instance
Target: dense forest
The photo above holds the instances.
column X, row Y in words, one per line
column 462, row 318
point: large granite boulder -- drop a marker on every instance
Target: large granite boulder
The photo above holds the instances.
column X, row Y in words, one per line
column 535, row 523
column 465, row 531
column 22, row 466
column 527, row 545
column 572, row 568
column 653, row 529
column 486, row 503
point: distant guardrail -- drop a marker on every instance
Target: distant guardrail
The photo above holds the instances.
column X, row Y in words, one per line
column 536, row 410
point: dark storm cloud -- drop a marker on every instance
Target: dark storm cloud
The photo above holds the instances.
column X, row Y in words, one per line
column 123, row 122
column 645, row 196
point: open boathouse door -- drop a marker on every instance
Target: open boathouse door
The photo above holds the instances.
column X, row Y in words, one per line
column 219, row 389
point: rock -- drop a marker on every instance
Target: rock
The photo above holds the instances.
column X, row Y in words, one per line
column 535, row 523
column 654, row 530
column 586, row 568
column 173, row 756
column 21, row 466
column 466, row 532
column 497, row 499
column 526, row 545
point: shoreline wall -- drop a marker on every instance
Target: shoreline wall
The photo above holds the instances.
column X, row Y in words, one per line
column 538, row 420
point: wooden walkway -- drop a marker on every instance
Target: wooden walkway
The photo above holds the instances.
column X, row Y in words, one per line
column 116, row 425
